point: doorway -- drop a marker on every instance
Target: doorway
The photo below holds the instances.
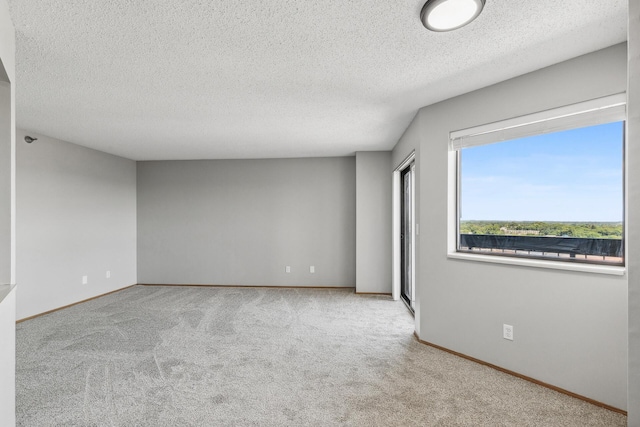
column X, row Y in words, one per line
column 407, row 225
column 404, row 232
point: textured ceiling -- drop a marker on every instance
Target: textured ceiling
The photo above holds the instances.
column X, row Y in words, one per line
column 194, row 79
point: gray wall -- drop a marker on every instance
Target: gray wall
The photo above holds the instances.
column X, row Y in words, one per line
column 373, row 222
column 240, row 222
column 570, row 328
column 76, row 217
column 633, row 212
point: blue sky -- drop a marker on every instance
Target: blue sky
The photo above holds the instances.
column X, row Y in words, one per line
column 574, row 175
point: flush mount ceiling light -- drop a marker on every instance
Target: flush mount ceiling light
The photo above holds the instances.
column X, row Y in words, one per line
column 447, row 15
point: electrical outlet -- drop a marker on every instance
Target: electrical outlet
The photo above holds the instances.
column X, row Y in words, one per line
column 312, row 269
column 507, row 332
column 85, row 280
column 108, row 275
column 287, row 269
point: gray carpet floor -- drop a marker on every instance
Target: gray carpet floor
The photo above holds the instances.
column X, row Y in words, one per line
column 191, row 356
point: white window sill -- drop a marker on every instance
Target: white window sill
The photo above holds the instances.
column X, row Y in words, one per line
column 539, row 263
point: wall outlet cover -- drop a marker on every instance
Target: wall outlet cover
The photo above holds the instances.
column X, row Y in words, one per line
column 507, row 332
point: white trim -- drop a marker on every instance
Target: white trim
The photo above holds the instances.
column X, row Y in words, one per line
column 539, row 263
column 414, row 234
column 395, row 281
column 410, row 158
column 588, row 113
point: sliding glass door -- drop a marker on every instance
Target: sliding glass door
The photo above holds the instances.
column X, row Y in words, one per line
column 407, row 226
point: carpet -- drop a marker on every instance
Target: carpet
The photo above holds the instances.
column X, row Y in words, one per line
column 196, row 356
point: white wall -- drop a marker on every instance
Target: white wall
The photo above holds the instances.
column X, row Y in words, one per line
column 240, row 222
column 7, row 205
column 7, row 355
column 373, row 222
column 7, row 55
column 5, row 178
column 76, row 211
column 633, row 212
column 570, row 328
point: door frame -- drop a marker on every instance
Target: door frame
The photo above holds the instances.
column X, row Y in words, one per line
column 397, row 222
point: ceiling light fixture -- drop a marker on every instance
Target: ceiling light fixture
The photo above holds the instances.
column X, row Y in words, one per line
column 447, row 15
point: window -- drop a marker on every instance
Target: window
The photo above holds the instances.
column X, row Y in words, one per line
column 547, row 186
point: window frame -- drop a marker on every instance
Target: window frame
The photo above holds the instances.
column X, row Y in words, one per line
column 589, row 113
